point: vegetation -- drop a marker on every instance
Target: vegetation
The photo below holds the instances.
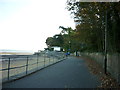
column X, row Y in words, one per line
column 91, row 20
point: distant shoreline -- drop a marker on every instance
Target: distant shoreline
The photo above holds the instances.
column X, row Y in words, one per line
column 15, row 52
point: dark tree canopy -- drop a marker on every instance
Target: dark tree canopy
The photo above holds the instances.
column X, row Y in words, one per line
column 91, row 19
column 90, row 24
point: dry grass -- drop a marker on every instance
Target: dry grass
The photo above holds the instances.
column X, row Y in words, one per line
column 106, row 80
column 17, row 63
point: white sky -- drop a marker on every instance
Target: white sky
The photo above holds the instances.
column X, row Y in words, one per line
column 26, row 24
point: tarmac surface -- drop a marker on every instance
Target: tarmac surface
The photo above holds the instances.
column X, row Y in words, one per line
column 70, row 73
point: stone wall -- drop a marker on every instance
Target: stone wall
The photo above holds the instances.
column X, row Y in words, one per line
column 113, row 63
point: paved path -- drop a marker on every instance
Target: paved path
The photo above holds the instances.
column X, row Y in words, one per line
column 70, row 73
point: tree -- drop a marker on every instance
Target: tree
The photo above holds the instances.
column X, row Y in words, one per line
column 56, row 40
column 90, row 24
column 71, row 40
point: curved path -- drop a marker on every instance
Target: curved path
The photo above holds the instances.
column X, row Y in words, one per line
column 70, row 73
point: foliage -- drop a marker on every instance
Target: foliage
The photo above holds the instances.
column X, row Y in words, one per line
column 90, row 19
column 56, row 40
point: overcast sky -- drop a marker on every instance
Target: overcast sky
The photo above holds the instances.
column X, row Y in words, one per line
column 25, row 24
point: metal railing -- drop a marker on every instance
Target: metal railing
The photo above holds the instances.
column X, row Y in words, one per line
column 16, row 66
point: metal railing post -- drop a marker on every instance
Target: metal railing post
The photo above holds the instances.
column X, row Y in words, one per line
column 9, row 69
column 49, row 60
column 53, row 59
column 37, row 61
column 27, row 66
column 44, row 60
